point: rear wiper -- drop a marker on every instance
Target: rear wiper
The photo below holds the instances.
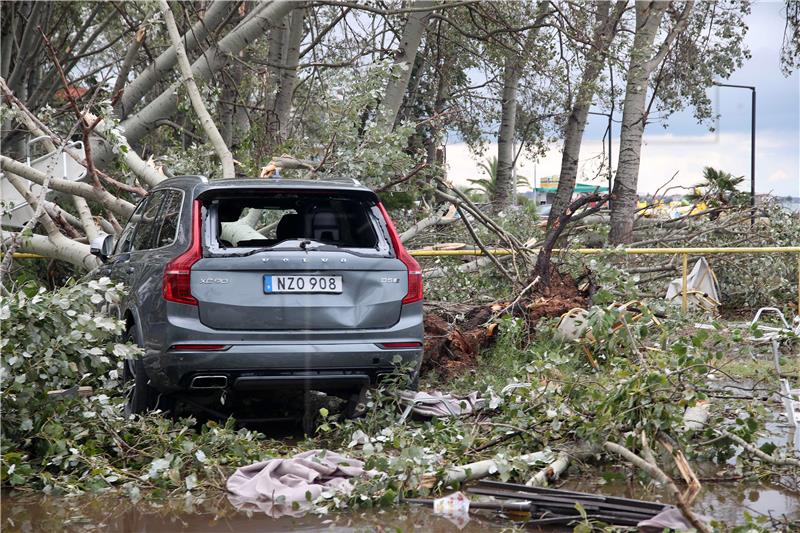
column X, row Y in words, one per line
column 304, row 245
column 244, row 254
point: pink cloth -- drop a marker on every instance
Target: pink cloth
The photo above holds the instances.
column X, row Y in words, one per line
column 275, row 484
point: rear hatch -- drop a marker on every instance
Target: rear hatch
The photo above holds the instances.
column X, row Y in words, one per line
column 297, row 260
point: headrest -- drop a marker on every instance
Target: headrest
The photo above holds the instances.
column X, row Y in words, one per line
column 289, row 227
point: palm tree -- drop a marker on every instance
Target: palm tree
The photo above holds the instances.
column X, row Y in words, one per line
column 487, row 185
column 720, row 188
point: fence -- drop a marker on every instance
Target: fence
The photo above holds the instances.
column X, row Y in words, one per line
column 683, row 252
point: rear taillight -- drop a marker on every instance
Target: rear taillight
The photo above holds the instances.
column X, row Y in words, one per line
column 176, row 286
column 414, row 271
column 392, row 345
column 198, row 347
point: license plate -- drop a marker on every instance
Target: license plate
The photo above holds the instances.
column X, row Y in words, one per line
column 307, row 284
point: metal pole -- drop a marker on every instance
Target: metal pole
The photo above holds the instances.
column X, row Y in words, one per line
column 753, row 156
column 609, row 159
column 752, row 145
column 798, row 285
column 684, row 284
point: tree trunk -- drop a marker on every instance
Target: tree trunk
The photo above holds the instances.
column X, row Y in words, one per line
column 27, row 50
column 505, row 182
column 648, row 19
column 404, row 60
column 634, row 111
column 163, row 65
column 576, row 122
column 214, row 137
column 127, row 64
column 165, row 105
column 505, row 188
column 288, row 74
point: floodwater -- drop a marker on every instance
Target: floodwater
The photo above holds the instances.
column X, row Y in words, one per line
column 724, row 497
column 27, row 513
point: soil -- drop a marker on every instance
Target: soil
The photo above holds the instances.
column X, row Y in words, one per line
column 456, row 333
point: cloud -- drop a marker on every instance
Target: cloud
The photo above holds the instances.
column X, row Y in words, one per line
column 664, row 156
column 778, row 176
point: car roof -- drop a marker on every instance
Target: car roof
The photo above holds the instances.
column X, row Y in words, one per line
column 200, row 184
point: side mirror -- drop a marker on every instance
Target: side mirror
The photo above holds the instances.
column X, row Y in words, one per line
column 102, row 246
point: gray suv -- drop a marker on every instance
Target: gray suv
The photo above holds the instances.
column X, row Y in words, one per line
column 237, row 287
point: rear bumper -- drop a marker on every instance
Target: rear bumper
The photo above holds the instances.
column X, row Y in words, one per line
column 326, row 366
column 273, row 356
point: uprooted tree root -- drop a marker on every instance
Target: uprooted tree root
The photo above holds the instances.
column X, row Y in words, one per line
column 456, row 333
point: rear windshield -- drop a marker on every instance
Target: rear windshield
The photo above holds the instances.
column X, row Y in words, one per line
column 290, row 220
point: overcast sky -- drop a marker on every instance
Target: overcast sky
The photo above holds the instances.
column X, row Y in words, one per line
column 686, row 147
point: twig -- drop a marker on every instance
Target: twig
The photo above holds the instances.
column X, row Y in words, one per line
column 403, row 179
column 86, row 129
column 758, row 453
column 478, row 241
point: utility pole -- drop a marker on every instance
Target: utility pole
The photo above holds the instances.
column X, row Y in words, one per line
column 752, row 145
column 608, row 132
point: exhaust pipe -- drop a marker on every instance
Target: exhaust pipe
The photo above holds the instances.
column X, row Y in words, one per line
column 209, row 382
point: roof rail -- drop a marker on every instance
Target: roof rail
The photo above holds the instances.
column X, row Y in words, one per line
column 348, row 180
column 199, row 178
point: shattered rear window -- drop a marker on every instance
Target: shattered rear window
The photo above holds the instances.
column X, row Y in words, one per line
column 266, row 219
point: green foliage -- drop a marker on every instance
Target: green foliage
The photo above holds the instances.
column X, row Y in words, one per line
column 54, row 340
column 59, row 339
column 341, row 128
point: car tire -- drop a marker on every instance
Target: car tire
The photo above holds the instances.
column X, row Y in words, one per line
column 141, row 397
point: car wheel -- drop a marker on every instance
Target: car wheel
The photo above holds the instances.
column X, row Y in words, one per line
column 140, row 396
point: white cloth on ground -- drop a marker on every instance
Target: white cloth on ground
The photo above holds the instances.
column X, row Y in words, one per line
column 301, row 479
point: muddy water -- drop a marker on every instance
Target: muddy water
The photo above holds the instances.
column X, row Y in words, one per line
column 724, row 501
column 50, row 514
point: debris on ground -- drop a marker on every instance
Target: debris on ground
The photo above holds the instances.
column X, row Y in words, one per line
column 455, row 334
column 557, row 506
column 437, row 405
column 702, row 288
column 544, row 506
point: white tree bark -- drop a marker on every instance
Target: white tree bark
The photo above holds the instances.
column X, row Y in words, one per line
column 504, row 181
column 605, row 31
column 224, row 154
column 479, row 469
column 551, row 472
column 165, row 105
column 106, row 199
column 288, row 74
column 643, row 62
column 57, row 247
column 404, row 59
column 425, row 223
column 164, row 63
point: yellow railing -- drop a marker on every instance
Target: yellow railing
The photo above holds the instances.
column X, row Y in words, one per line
column 683, row 252
column 25, row 255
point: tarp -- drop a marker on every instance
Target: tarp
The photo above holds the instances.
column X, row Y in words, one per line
column 701, row 287
column 579, row 188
